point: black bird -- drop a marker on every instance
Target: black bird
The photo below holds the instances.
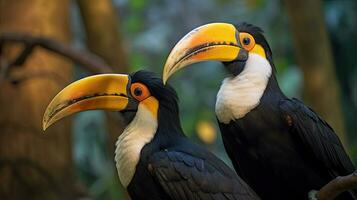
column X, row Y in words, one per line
column 279, row 146
column 154, row 159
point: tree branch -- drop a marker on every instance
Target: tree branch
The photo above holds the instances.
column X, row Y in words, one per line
column 335, row 187
column 89, row 61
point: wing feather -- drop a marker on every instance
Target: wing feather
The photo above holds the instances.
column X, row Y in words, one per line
column 318, row 137
column 184, row 176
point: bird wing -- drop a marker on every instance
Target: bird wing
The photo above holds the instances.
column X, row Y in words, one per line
column 184, row 176
column 318, row 138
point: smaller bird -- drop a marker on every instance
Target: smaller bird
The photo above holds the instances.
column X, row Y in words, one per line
column 154, row 158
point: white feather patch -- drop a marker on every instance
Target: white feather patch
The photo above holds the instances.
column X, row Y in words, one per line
column 240, row 94
column 128, row 147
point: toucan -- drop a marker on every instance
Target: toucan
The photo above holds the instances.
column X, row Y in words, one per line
column 278, row 145
column 154, row 158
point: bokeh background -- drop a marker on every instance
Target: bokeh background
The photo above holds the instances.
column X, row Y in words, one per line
column 314, row 43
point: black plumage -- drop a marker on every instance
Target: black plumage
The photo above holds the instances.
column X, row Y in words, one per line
column 172, row 167
column 312, row 131
column 282, row 148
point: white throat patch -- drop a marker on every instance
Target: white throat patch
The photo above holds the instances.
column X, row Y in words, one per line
column 240, row 94
column 128, row 147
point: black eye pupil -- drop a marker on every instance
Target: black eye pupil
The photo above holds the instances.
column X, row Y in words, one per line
column 246, row 41
column 138, row 91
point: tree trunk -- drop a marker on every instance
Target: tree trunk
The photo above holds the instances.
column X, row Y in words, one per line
column 314, row 56
column 34, row 165
column 104, row 38
column 102, row 32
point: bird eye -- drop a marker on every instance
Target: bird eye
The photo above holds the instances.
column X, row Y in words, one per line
column 139, row 91
column 247, row 41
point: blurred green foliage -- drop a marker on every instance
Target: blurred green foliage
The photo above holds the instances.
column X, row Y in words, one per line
column 152, row 28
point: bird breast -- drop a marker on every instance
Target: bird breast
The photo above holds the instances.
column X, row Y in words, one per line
column 134, row 137
column 240, row 94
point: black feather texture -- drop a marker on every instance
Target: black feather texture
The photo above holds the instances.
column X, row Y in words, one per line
column 184, row 176
column 318, row 138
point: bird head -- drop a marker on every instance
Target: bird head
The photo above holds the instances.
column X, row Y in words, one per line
column 125, row 93
column 233, row 45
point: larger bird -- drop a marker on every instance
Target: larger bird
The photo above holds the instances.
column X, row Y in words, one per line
column 279, row 146
column 154, row 159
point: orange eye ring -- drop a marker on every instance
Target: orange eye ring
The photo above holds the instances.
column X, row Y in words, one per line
column 247, row 41
column 139, row 91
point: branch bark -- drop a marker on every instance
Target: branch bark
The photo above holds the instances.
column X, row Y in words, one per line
column 89, row 61
column 335, row 187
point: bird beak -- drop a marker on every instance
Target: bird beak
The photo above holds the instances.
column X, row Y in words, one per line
column 216, row 41
column 105, row 91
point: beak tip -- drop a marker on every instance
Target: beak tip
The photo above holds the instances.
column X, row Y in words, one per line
column 164, row 77
column 44, row 127
column 46, row 123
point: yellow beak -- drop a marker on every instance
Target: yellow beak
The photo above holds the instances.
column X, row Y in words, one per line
column 216, row 41
column 105, row 91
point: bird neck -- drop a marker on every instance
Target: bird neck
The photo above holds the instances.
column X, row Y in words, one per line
column 141, row 131
column 169, row 122
column 273, row 88
column 149, row 131
column 169, row 131
column 240, row 94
